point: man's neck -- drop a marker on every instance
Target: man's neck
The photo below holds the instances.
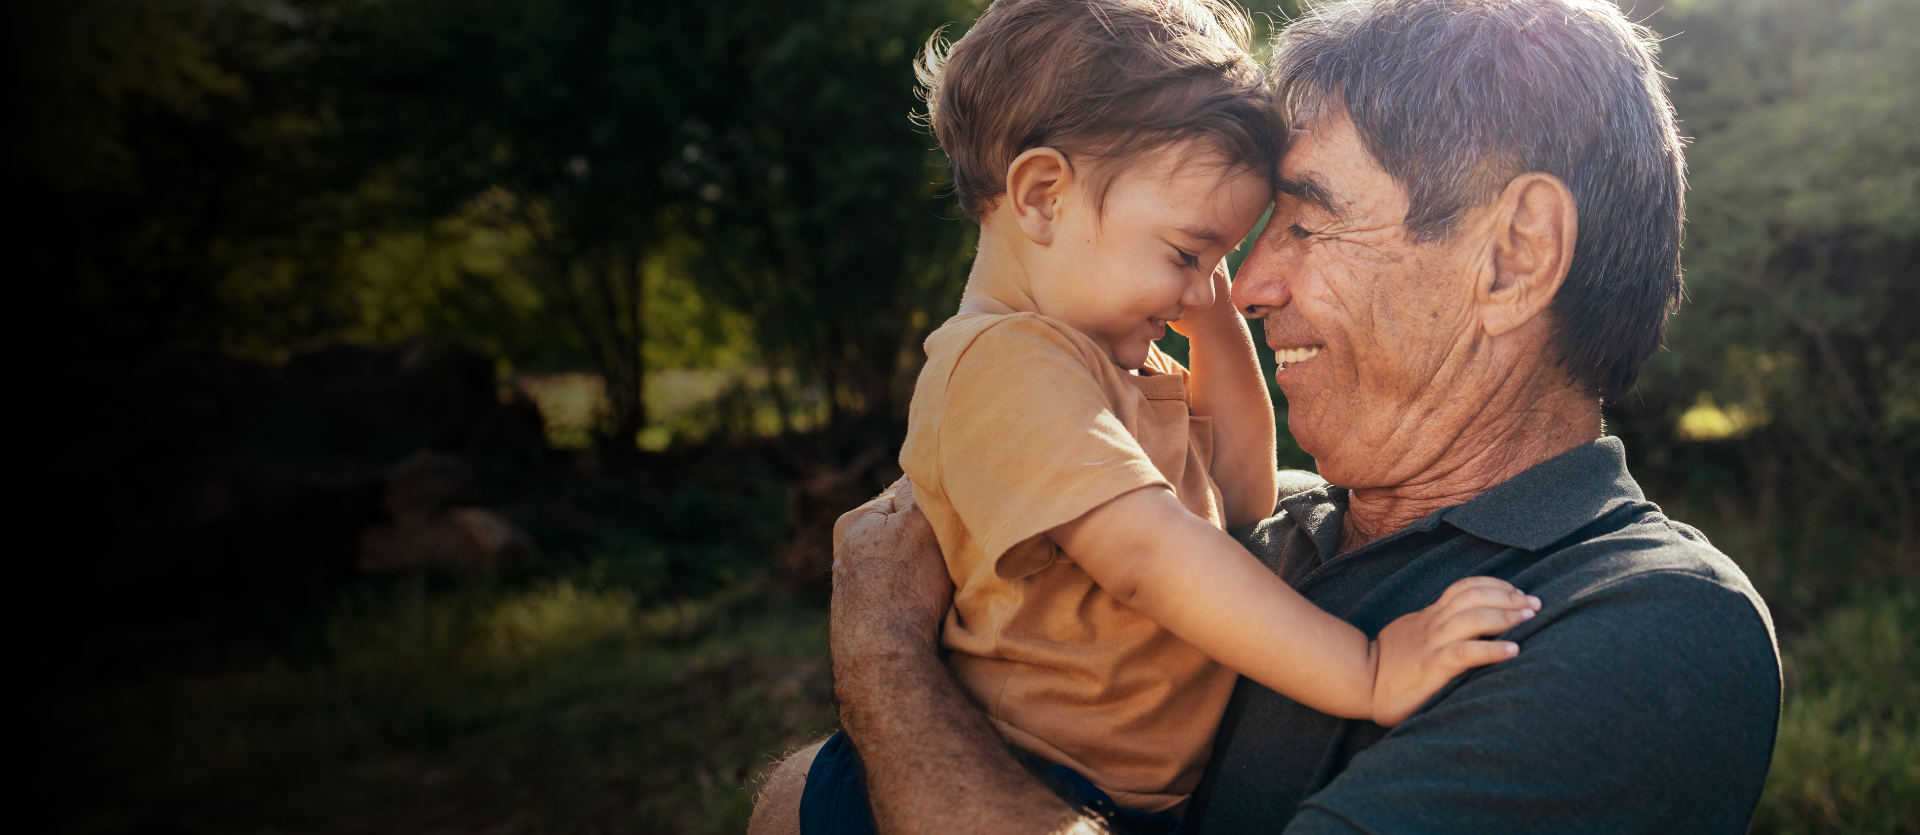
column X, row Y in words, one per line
column 1497, row 445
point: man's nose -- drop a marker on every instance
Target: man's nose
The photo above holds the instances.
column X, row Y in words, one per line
column 1261, row 287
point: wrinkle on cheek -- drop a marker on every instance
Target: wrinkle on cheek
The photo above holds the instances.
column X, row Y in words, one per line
column 1448, row 326
column 1358, row 297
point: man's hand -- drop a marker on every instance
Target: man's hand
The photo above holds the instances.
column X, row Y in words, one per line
column 1420, row 652
column 932, row 762
column 891, row 589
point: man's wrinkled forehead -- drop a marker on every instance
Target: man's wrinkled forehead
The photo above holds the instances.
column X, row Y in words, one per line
column 1329, row 167
column 1303, row 174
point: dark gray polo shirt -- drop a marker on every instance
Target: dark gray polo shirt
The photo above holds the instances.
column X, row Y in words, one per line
column 1644, row 698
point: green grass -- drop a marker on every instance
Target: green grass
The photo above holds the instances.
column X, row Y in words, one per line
column 556, row 708
column 1848, row 756
column 568, row 706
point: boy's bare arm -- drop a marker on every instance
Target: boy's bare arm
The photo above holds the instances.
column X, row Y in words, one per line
column 932, row 762
column 1149, row 552
column 1228, row 386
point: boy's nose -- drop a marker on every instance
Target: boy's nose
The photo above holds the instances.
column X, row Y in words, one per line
column 1199, row 294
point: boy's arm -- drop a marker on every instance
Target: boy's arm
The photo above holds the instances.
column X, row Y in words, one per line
column 1227, row 386
column 1190, row 577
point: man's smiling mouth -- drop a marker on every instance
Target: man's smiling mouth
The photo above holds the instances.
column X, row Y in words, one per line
column 1294, row 356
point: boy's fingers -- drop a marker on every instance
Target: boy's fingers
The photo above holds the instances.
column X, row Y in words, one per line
column 1471, row 584
column 1466, row 654
column 1473, row 623
column 1481, row 581
column 1484, row 597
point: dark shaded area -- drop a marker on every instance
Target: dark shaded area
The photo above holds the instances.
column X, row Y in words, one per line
column 215, row 478
column 307, row 555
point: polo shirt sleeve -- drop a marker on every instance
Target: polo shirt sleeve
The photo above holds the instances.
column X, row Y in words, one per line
column 1648, row 706
column 1029, row 439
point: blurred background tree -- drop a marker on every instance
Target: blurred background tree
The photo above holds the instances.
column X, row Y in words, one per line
column 268, row 252
column 1786, row 410
column 739, row 147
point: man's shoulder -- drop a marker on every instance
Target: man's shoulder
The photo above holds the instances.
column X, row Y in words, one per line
column 1652, row 604
column 1644, row 698
column 1650, row 560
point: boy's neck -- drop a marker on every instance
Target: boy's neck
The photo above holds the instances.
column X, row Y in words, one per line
column 999, row 281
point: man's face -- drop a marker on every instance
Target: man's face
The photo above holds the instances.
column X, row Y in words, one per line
column 1369, row 327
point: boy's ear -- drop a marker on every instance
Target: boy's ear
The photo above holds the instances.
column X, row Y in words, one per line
column 1037, row 185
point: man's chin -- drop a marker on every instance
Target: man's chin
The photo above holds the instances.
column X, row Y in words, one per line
column 1306, row 436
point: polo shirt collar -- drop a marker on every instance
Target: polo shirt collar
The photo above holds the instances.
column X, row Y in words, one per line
column 1318, row 513
column 1552, row 500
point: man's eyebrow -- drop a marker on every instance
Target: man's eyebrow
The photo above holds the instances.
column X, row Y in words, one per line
column 1309, row 188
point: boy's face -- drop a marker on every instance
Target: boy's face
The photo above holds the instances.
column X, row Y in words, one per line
column 1120, row 274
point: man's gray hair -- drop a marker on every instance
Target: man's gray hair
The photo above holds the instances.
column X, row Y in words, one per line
column 1454, row 98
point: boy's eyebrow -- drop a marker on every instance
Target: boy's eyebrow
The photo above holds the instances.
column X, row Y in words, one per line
column 1309, row 188
column 1200, row 233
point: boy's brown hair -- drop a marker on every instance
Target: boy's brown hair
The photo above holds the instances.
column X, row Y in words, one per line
column 1097, row 80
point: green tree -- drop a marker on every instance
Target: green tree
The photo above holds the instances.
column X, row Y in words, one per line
column 1799, row 347
column 762, row 149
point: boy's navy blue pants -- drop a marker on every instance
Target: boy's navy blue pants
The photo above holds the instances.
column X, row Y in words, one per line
column 834, row 801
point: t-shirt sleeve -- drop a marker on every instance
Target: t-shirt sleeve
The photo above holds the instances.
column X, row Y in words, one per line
column 1029, row 439
column 1650, row 708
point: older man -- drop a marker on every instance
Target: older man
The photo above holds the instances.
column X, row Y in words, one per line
column 1475, row 246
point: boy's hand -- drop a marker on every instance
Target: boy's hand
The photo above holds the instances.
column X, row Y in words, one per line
column 1200, row 319
column 1419, row 653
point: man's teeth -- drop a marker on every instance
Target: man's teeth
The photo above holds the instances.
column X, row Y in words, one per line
column 1288, row 355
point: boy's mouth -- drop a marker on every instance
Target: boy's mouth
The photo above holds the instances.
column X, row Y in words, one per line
column 1294, row 356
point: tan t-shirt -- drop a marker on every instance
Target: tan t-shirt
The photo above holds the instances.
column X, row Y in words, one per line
column 1020, row 424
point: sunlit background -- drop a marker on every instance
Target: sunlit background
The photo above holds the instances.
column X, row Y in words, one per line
column 440, row 406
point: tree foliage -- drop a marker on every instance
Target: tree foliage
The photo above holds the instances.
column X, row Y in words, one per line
column 633, row 186
column 518, row 175
column 1797, row 351
column 761, row 150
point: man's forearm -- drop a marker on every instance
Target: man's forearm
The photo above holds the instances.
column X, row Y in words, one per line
column 933, row 763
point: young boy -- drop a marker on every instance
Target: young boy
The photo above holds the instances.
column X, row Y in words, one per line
column 1078, row 479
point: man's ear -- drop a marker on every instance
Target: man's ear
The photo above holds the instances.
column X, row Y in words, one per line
column 1535, row 224
column 1037, row 184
